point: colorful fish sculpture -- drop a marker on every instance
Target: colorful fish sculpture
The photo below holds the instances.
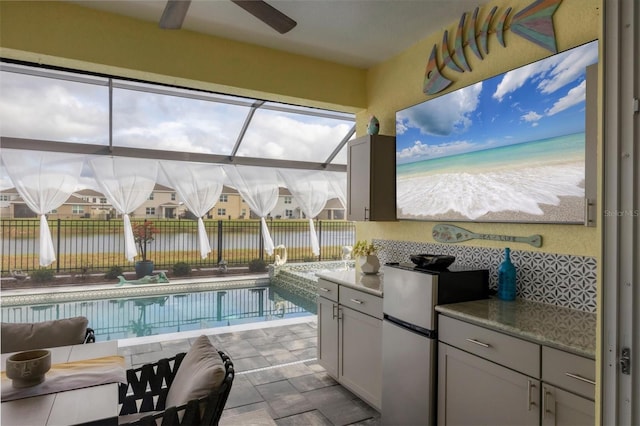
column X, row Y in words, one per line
column 535, row 23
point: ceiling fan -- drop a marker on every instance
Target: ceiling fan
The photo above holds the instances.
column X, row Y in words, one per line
column 176, row 10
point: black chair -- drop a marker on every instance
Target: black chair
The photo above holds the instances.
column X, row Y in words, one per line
column 158, row 378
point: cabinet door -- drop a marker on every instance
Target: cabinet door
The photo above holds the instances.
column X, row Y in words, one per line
column 361, row 355
column 328, row 335
column 371, row 178
column 474, row 391
column 560, row 408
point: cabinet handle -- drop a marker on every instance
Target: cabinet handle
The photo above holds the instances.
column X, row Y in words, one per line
column 359, row 302
column 334, row 312
column 582, row 379
column 366, row 210
column 326, row 290
column 545, row 403
column 529, row 401
column 475, row 342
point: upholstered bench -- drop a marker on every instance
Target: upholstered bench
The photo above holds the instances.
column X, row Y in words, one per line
column 46, row 334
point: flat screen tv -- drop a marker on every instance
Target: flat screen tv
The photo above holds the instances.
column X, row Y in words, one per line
column 507, row 149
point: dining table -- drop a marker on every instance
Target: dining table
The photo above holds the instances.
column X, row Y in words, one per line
column 89, row 404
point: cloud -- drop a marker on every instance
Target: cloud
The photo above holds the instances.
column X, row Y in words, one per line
column 554, row 72
column 419, row 151
column 575, row 96
column 531, row 116
column 444, row 115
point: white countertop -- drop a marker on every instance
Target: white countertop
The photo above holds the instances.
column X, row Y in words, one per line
column 369, row 283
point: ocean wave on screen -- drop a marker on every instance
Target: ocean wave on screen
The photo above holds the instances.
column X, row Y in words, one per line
column 476, row 194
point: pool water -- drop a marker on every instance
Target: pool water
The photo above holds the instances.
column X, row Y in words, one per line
column 161, row 314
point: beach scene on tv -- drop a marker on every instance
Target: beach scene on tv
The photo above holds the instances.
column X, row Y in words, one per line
column 509, row 148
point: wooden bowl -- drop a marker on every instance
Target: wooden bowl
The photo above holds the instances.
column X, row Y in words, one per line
column 28, row 368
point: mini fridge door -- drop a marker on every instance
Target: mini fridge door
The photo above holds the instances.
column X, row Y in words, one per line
column 408, row 382
column 410, row 296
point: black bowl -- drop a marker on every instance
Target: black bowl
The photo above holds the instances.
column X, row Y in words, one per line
column 432, row 261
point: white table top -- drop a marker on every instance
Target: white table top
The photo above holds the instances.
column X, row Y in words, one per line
column 69, row 407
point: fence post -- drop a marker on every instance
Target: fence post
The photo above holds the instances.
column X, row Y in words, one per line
column 58, row 249
column 319, row 228
column 219, row 241
column 261, row 242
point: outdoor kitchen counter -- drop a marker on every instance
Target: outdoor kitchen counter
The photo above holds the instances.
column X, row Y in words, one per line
column 372, row 284
column 563, row 328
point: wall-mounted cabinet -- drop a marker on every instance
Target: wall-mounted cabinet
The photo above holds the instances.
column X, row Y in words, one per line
column 371, row 178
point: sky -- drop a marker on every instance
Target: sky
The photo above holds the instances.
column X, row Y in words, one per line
column 537, row 101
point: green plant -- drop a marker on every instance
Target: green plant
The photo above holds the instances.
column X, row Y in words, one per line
column 257, row 265
column 113, row 272
column 363, row 248
column 180, row 269
column 42, row 275
column 309, row 258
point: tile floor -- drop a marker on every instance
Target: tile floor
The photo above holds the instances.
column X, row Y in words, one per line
column 278, row 380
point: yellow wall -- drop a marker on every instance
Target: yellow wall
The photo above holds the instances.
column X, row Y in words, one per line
column 66, row 35
column 397, row 84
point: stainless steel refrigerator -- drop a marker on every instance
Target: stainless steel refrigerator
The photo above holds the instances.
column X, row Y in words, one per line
column 409, row 336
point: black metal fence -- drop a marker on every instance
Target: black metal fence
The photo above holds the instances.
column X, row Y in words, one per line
column 87, row 245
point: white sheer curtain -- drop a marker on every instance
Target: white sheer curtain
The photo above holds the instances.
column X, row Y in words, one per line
column 126, row 183
column 44, row 180
column 338, row 185
column 310, row 188
column 198, row 186
column 259, row 187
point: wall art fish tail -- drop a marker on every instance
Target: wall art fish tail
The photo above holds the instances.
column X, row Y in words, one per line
column 534, row 23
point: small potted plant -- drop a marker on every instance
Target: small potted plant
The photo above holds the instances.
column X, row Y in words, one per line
column 143, row 234
column 366, row 257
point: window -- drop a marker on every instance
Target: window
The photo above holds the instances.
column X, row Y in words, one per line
column 75, row 209
column 222, row 212
column 173, row 196
column 4, row 198
column 244, row 212
column 288, row 213
column 151, row 196
column 150, row 211
column 287, row 200
column 103, row 201
column 224, row 198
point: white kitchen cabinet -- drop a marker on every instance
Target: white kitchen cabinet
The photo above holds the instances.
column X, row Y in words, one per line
column 371, row 178
column 562, row 408
column 473, row 391
column 350, row 340
column 489, row 377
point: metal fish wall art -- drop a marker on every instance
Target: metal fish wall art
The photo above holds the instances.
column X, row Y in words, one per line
column 535, row 23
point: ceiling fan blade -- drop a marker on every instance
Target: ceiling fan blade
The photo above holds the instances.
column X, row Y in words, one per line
column 174, row 13
column 268, row 14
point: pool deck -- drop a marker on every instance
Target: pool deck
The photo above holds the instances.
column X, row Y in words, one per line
column 278, row 379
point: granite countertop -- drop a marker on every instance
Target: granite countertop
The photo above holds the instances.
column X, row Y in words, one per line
column 369, row 283
column 555, row 326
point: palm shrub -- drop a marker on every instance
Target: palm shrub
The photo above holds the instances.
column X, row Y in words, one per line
column 181, row 269
column 42, row 275
column 257, row 265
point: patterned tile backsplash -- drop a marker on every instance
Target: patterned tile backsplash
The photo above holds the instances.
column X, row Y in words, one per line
column 556, row 279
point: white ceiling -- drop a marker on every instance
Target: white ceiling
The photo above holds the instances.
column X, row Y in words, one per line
column 358, row 33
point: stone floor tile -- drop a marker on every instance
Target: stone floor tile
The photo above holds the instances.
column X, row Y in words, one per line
column 281, row 358
column 276, row 390
column 328, row 395
column 303, row 343
column 150, row 357
column 311, row 382
column 262, row 341
column 228, row 412
column 242, row 393
column 347, row 411
column 239, row 349
column 140, row 349
column 309, row 418
column 289, row 405
column 310, row 332
column 182, row 345
column 374, row 421
column 253, row 418
column 246, row 364
column 265, row 376
column 295, row 370
column 306, row 353
column 271, row 349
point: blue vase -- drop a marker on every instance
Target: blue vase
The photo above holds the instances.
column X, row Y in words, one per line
column 507, row 278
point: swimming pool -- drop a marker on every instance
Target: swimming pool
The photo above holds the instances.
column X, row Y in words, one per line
column 157, row 313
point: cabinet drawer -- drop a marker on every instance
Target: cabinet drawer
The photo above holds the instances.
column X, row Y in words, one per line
column 328, row 290
column 362, row 302
column 500, row 348
column 568, row 371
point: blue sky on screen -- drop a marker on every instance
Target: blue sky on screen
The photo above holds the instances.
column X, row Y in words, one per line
column 537, row 101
